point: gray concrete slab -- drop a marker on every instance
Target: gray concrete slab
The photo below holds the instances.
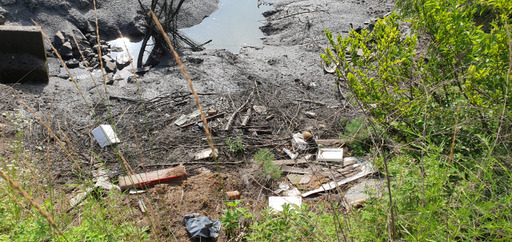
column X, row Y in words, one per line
column 22, row 55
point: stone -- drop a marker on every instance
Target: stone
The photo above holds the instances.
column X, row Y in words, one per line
column 8, row 2
column 110, row 79
column 73, row 63
column 66, row 50
column 122, row 61
column 59, row 40
column 109, row 64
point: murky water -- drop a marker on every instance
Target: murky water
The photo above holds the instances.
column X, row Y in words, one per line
column 234, row 24
column 132, row 47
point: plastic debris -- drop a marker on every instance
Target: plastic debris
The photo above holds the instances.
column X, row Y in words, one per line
column 299, row 142
column 276, row 203
column 202, row 227
column 204, row 154
column 330, row 155
column 105, row 135
column 293, row 156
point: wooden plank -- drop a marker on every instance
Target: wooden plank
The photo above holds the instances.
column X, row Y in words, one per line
column 144, row 180
column 289, row 162
column 366, row 169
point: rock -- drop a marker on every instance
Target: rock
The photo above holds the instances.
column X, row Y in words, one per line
column 59, row 40
column 84, row 4
column 8, row 2
column 31, row 5
column 66, row 50
column 110, row 79
column 109, row 64
column 92, row 38
column 104, row 48
column 3, row 15
column 131, row 79
column 122, row 61
column 73, row 63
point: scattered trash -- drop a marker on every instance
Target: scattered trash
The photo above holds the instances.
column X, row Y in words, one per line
column 105, row 135
column 142, row 206
column 288, row 190
column 136, row 191
column 299, row 142
column 276, row 203
column 366, row 169
column 185, row 118
column 260, row 109
column 212, row 112
column 310, row 114
column 78, row 198
column 360, row 192
column 327, row 154
column 294, row 178
column 307, row 135
column 151, row 178
column 205, row 154
column 232, row 195
column 331, row 68
column 293, row 156
column 202, row 227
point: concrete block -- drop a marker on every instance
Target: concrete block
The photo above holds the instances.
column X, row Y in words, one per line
column 22, row 55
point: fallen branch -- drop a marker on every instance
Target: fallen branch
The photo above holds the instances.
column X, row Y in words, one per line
column 228, row 125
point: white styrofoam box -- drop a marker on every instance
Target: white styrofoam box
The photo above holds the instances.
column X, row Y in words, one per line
column 330, row 154
column 276, row 203
column 105, row 135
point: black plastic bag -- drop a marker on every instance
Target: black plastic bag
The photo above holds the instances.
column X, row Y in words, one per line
column 202, row 227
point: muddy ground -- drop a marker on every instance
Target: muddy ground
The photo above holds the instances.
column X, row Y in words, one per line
column 284, row 74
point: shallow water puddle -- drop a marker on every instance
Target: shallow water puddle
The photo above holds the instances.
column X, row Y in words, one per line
column 131, row 47
column 234, row 24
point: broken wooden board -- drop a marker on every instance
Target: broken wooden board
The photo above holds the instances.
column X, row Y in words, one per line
column 366, row 169
column 147, row 179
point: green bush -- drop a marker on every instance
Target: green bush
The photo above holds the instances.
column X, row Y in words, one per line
column 269, row 170
column 441, row 90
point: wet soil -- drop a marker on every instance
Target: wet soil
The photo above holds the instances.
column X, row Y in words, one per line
column 284, row 74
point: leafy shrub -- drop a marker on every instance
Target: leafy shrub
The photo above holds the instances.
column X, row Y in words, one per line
column 441, row 90
column 269, row 170
column 235, row 146
column 234, row 218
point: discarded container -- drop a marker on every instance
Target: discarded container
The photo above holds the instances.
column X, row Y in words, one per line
column 144, row 180
column 232, row 195
column 330, row 155
column 202, row 227
column 105, row 135
column 276, row 203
